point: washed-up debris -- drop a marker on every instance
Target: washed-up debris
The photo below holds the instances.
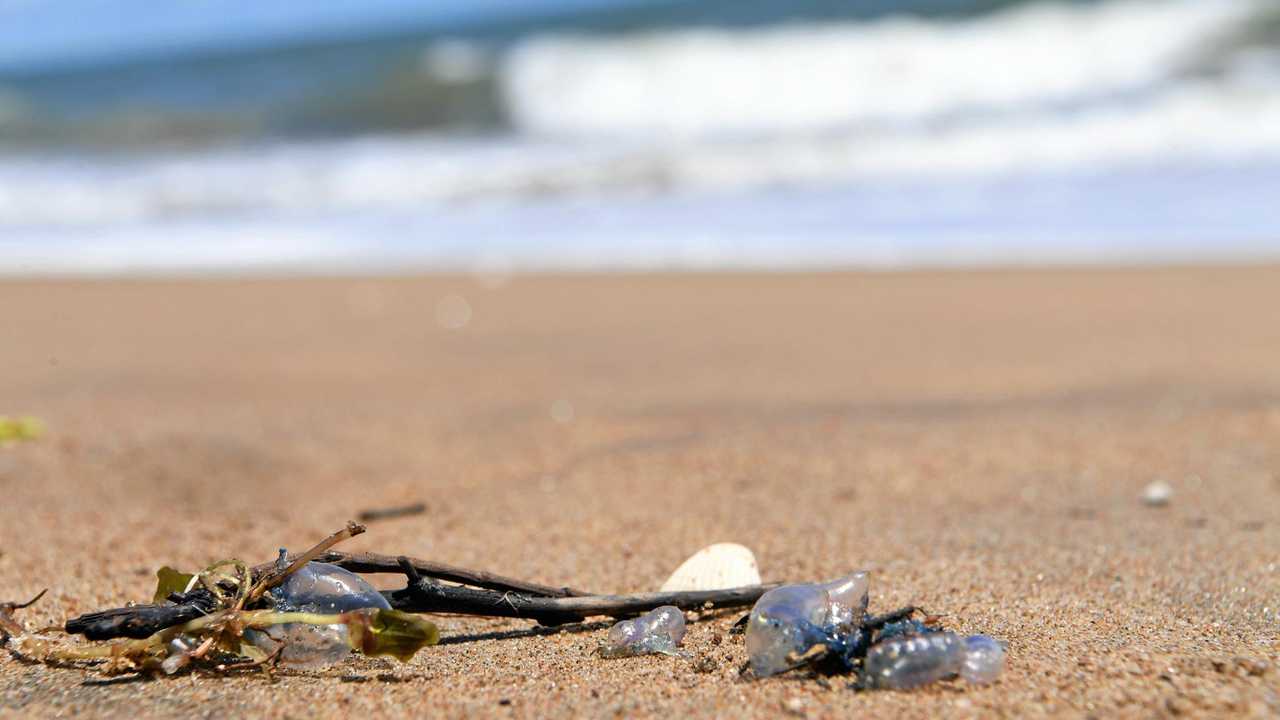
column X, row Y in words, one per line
column 390, row 513
column 825, row 626
column 787, row 621
column 718, row 566
column 9, row 625
column 313, row 610
column 983, row 659
column 315, row 588
column 23, row 428
column 228, row 617
column 658, row 631
column 1157, row 494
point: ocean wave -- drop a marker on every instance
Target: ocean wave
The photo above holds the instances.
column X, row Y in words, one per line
column 1195, row 122
column 1035, row 89
column 838, row 76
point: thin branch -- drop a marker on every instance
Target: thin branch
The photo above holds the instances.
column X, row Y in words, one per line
column 389, row 513
column 274, row 576
column 373, row 563
column 8, row 625
column 424, row 597
column 19, row 606
column 142, row 621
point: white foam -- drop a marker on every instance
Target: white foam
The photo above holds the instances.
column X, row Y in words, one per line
column 822, row 77
column 1191, row 122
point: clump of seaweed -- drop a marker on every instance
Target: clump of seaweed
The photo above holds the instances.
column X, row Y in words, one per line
column 826, row 627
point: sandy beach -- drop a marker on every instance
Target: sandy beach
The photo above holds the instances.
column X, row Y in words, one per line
column 979, row 441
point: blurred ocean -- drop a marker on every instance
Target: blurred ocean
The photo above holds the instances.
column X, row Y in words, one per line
column 715, row 134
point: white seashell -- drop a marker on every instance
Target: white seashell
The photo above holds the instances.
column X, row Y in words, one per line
column 715, row 567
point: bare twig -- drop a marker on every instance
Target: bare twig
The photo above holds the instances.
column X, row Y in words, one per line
column 10, row 627
column 275, row 576
column 268, row 661
column 373, row 563
column 425, row 597
column 392, row 512
column 141, row 621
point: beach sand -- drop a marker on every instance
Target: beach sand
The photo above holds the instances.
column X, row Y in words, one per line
column 980, row 441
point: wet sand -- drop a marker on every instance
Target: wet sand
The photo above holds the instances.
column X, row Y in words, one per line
column 978, row 440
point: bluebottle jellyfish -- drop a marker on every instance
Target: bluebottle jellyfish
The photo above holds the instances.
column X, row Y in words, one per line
column 983, row 660
column 658, row 631
column 323, row 588
column 909, row 661
column 787, row 622
column 825, row 626
column 317, row 588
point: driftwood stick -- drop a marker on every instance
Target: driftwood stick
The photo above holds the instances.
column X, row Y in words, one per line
column 143, row 621
column 424, row 596
column 389, row 513
column 373, row 563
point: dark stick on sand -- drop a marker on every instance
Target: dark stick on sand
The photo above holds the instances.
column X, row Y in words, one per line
column 373, row 563
column 424, row 596
column 392, row 512
column 142, row 621
column 8, row 625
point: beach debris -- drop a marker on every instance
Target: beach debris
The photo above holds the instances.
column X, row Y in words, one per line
column 324, row 588
column 825, row 627
column 1157, row 494
column 9, row 626
column 315, row 588
column 909, row 661
column 715, row 567
column 23, row 428
column 313, row 609
column 231, row 617
column 390, row 513
column 983, row 659
column 658, row 631
column 789, row 620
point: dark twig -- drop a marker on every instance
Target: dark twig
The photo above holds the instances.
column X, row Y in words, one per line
column 142, row 621
column 875, row 622
column 373, row 563
column 274, row 576
column 527, row 632
column 8, row 625
column 424, row 597
column 392, row 512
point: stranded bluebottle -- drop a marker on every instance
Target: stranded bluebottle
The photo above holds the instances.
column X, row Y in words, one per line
column 658, row 631
column 787, row 621
column 826, row 626
column 316, row 588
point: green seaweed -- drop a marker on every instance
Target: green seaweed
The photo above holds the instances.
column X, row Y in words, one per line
column 392, row 632
column 170, row 581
